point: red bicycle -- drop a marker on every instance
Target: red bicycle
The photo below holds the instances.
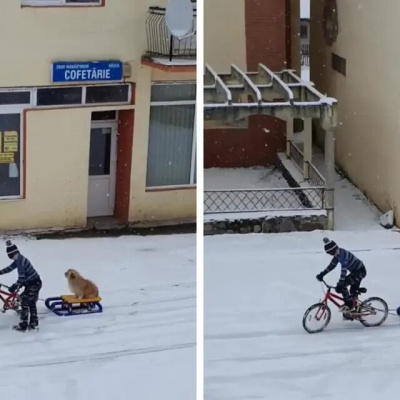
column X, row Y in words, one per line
column 320, row 313
column 11, row 301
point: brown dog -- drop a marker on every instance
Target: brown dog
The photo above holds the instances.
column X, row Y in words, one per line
column 81, row 287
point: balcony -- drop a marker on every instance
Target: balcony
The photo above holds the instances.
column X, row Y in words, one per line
column 166, row 49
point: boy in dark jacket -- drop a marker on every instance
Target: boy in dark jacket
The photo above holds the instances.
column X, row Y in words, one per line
column 30, row 279
column 349, row 263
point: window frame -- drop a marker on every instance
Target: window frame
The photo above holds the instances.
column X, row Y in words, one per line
column 59, row 3
column 33, row 99
column 192, row 183
column 17, row 110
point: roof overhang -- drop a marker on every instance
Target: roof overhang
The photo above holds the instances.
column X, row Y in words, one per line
column 238, row 95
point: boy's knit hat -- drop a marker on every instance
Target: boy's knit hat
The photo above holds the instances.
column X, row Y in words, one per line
column 330, row 246
column 12, row 249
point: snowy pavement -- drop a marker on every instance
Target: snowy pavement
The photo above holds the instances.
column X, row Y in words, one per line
column 141, row 347
column 353, row 211
column 257, row 288
column 243, row 178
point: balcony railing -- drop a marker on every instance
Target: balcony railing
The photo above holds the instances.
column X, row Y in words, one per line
column 160, row 43
column 296, row 155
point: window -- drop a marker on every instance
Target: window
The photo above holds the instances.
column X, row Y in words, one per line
column 339, row 64
column 10, row 155
column 64, row 96
column 81, row 95
column 59, row 96
column 104, row 115
column 304, row 31
column 60, row 2
column 172, row 147
column 7, row 98
column 107, row 94
column 100, row 151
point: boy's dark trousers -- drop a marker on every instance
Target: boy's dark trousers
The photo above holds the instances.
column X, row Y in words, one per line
column 355, row 281
column 29, row 298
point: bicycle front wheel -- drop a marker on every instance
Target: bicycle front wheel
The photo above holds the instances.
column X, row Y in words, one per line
column 373, row 312
column 316, row 318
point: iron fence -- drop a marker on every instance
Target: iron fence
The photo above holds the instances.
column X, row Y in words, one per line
column 314, row 176
column 255, row 200
column 305, row 54
column 296, row 155
column 160, row 43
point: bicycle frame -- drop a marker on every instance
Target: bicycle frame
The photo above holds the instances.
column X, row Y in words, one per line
column 8, row 298
column 334, row 298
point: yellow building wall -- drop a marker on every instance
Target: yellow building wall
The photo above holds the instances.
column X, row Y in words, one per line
column 33, row 37
column 368, row 138
column 154, row 205
column 224, row 34
column 57, row 140
column 57, row 148
column 57, row 143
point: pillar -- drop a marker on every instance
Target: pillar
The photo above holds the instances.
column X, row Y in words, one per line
column 329, row 121
column 289, row 134
column 307, row 146
column 330, row 176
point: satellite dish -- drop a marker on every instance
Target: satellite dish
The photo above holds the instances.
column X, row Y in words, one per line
column 179, row 17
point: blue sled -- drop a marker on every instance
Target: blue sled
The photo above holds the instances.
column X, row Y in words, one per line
column 67, row 305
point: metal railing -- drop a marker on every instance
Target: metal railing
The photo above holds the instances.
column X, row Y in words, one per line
column 160, row 43
column 305, row 54
column 256, row 200
column 314, row 176
column 296, row 155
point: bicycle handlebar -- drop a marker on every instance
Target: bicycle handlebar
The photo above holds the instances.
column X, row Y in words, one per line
column 328, row 286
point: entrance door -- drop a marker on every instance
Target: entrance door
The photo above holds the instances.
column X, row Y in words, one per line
column 102, row 169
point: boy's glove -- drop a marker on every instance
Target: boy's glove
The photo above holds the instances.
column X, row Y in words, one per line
column 13, row 288
column 339, row 288
column 320, row 276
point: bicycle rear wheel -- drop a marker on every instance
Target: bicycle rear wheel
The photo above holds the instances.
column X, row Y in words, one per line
column 316, row 318
column 374, row 312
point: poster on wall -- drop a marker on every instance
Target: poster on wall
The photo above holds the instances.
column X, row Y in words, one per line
column 6, row 158
column 10, row 142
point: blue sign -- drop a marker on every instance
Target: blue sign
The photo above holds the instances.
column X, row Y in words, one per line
column 92, row 71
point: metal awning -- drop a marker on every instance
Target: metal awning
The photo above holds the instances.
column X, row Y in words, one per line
column 238, row 95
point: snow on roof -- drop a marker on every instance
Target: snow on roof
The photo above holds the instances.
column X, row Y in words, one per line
column 305, row 9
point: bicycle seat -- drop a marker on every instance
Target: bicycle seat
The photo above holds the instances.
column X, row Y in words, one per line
column 362, row 290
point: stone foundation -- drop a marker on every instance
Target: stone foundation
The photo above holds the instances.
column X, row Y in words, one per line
column 273, row 224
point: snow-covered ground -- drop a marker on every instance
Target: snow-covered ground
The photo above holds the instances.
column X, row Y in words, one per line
column 353, row 209
column 248, row 182
column 141, row 347
column 243, row 178
column 257, row 288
